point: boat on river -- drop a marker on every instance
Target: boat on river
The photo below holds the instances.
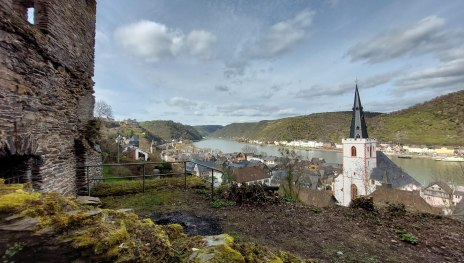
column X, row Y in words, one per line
column 404, row 156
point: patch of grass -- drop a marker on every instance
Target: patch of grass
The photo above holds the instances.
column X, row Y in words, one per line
column 221, row 203
column 407, row 237
column 316, row 210
column 289, row 199
column 150, row 201
column 11, row 251
column 203, row 191
column 135, row 186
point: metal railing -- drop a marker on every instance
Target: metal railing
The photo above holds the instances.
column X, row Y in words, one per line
column 13, row 180
column 144, row 175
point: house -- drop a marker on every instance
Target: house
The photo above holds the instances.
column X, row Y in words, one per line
column 270, row 161
column 438, row 194
column 207, row 169
column 239, row 157
column 134, row 141
column 277, row 175
column 310, row 180
column 137, row 154
column 443, row 151
column 315, row 163
column 251, row 175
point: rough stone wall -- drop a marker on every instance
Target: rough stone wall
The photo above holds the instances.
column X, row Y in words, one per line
column 46, row 88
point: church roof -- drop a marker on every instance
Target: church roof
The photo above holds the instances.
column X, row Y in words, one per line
column 388, row 172
column 358, row 123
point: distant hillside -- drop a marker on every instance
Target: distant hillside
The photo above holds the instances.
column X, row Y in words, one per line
column 205, row 130
column 169, row 130
column 436, row 122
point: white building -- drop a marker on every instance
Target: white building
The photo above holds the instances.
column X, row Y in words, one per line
column 359, row 159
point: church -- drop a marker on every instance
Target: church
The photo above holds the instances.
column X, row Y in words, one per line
column 359, row 159
column 365, row 168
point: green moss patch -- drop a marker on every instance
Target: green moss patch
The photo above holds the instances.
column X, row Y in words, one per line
column 117, row 236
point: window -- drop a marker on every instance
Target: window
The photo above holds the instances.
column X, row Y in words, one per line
column 30, row 15
column 370, row 151
column 353, row 151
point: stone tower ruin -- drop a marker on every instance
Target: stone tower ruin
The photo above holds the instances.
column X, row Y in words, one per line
column 47, row 130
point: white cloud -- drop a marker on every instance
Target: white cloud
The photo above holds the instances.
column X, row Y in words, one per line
column 368, row 83
column 254, row 110
column 201, row 44
column 180, row 102
column 444, row 75
column 421, row 37
column 154, row 41
column 280, row 37
column 149, row 40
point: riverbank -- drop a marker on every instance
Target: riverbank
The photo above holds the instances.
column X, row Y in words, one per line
column 425, row 170
column 406, row 155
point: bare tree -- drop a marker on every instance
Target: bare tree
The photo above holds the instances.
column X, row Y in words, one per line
column 248, row 149
column 291, row 162
column 103, row 110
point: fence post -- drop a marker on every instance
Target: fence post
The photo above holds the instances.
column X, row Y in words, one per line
column 185, row 176
column 212, row 185
column 143, row 179
column 88, row 180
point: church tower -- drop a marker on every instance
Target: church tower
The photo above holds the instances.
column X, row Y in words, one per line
column 359, row 159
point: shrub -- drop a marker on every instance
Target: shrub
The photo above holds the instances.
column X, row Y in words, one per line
column 365, row 203
column 251, row 194
column 220, row 203
column 407, row 236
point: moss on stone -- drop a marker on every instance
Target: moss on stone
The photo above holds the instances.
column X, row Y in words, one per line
column 119, row 236
column 224, row 253
column 16, row 200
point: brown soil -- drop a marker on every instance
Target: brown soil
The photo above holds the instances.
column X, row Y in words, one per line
column 336, row 234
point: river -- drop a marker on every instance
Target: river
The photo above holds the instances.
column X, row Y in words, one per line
column 424, row 170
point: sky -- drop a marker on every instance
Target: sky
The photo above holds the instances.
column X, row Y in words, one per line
column 223, row 61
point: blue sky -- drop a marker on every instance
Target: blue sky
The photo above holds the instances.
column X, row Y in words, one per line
column 223, row 61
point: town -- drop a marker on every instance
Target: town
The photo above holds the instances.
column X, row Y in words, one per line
column 382, row 179
column 226, row 131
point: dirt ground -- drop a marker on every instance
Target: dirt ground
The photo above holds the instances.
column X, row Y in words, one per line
column 331, row 235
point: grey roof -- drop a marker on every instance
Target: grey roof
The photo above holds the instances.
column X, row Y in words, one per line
column 390, row 173
column 310, row 181
column 241, row 164
column 358, row 123
column 204, row 166
column 134, row 138
column 443, row 186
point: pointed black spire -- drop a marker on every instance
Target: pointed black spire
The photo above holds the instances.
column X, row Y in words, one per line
column 358, row 123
